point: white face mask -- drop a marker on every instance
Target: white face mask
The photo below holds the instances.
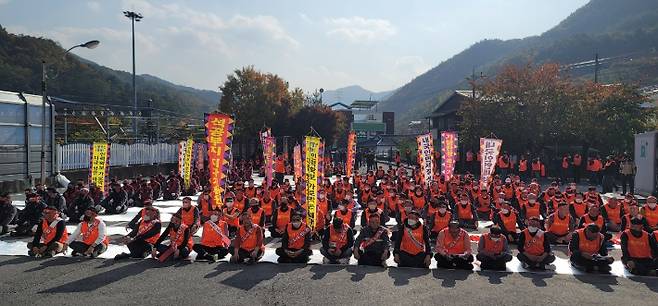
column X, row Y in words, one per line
column 214, row 218
column 320, row 196
column 372, row 207
column 532, row 229
column 147, row 218
column 495, row 238
column 579, row 200
column 463, row 202
column 532, row 201
column 296, row 224
column 412, row 222
column 504, row 211
column 341, row 207
column 229, row 204
column 442, row 210
column 407, row 209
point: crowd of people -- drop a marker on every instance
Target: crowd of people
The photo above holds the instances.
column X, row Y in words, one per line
column 432, row 221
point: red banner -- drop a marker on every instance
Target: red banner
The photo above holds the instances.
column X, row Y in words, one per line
column 448, row 154
column 297, row 159
column 351, row 153
column 269, row 153
column 219, row 138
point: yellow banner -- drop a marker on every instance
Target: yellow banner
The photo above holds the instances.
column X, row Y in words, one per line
column 187, row 169
column 99, row 158
column 311, row 163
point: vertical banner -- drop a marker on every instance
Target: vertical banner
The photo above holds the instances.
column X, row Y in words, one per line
column 297, row 160
column 99, row 164
column 426, row 157
column 490, row 149
column 182, row 148
column 448, row 153
column 311, row 164
column 351, row 150
column 187, row 162
column 219, row 138
column 322, row 161
column 269, row 153
column 200, row 156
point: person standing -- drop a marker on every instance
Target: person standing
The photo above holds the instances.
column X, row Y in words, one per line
column 627, row 170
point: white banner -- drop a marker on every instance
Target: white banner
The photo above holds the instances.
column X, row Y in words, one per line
column 490, row 149
column 426, row 157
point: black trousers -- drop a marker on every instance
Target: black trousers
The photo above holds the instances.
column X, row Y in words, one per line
column 642, row 265
column 628, row 183
column 111, row 208
column 334, row 259
column 54, row 247
column 454, row 262
column 81, row 247
column 370, row 258
column 302, row 258
column 412, row 261
column 582, row 263
column 493, row 263
column 183, row 250
column 244, row 254
column 205, row 252
column 139, row 248
column 524, row 259
column 279, row 177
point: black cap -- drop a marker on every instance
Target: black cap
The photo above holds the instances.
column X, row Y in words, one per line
column 636, row 221
column 92, row 209
column 593, row 228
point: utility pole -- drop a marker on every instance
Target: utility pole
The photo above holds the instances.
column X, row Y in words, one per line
column 134, row 17
column 596, row 68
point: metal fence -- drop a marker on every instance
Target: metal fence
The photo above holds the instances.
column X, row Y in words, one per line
column 76, row 155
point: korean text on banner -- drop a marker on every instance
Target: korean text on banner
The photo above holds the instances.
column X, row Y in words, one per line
column 449, row 153
column 98, row 172
column 269, row 153
column 297, row 159
column 182, row 148
column 219, row 138
column 426, row 157
column 312, row 147
column 490, row 148
column 351, row 153
column 187, row 162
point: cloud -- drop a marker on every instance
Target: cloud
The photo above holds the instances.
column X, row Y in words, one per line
column 305, row 18
column 3, row 2
column 94, row 6
column 359, row 29
column 413, row 65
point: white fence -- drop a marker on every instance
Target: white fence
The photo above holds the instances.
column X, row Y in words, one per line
column 76, row 155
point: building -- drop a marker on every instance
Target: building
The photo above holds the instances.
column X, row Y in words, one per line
column 444, row 117
column 369, row 122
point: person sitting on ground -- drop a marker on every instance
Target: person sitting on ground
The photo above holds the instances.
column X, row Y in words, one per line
column 80, row 205
column 89, row 238
column 256, row 213
column 30, row 217
column 248, row 246
column 215, row 241
column 650, row 213
column 7, row 212
column 372, row 210
column 231, row 215
column 117, row 200
column 439, row 220
column 180, row 241
column 593, row 215
column 345, row 213
column 560, row 225
column 633, row 212
column 295, row 242
column 412, row 246
column 50, row 237
column 588, row 252
column 280, row 219
column 638, row 255
column 493, row 250
column 190, row 215
column 141, row 240
column 371, row 247
column 453, row 248
column 205, row 205
column 466, row 214
column 612, row 213
column 507, row 219
column 534, row 248
column 54, row 199
column 172, row 188
column 337, row 242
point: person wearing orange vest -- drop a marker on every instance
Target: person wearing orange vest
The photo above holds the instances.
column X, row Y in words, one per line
column 493, row 250
column 453, row 248
column 295, row 242
column 612, row 213
column 593, row 215
column 638, row 250
column 508, row 220
column 89, row 238
column 372, row 209
column 337, row 242
column 256, row 213
column 280, row 219
column 190, row 215
column 180, row 241
column 412, row 245
column 141, row 239
column 279, row 169
column 465, row 212
column 534, row 247
column 344, row 213
column 532, row 208
column 524, row 170
column 372, row 245
column 215, row 241
column 560, row 225
column 588, row 250
column 564, row 168
column 650, row 213
column 439, row 220
column 536, row 167
column 248, row 245
column 231, row 215
column 50, row 237
column 205, row 206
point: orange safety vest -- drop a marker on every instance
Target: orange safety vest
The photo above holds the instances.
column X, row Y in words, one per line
column 145, row 227
column 495, row 247
column 240, row 204
column 282, row 218
column 638, row 247
column 536, row 166
column 250, row 192
column 280, row 166
column 588, row 220
column 187, row 217
column 579, row 208
column 256, row 216
column 565, row 162
column 338, row 240
column 346, row 216
column 249, row 239
column 48, row 232
column 532, row 210
column 534, row 245
column 577, row 160
column 523, row 165
column 560, row 226
column 587, row 246
column 509, row 222
column 441, row 222
column 90, row 234
column 368, row 214
column 651, row 215
column 614, row 214
column 267, row 206
column 464, row 213
column 502, row 164
column 452, row 245
column 231, row 221
column 176, row 236
column 296, row 237
column 215, row 235
column 419, row 202
column 412, row 240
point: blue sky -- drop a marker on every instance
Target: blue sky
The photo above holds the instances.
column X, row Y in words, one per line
column 380, row 45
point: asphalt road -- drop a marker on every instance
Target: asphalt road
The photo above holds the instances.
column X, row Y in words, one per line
column 77, row 281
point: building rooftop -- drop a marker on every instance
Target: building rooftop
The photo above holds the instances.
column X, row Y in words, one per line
column 363, row 104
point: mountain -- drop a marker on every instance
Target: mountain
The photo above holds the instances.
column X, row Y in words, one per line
column 81, row 80
column 348, row 94
column 624, row 33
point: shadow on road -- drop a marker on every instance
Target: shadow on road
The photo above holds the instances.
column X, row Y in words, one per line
column 450, row 279
column 250, row 276
column 401, row 276
column 16, row 261
column 538, row 278
column 495, row 277
column 55, row 262
column 103, row 279
column 320, row 271
column 359, row 272
column 601, row 282
column 650, row 282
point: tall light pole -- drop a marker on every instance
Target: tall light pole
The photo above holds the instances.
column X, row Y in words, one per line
column 44, row 98
column 133, row 16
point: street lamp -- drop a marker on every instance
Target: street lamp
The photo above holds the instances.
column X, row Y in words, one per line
column 44, row 97
column 133, row 16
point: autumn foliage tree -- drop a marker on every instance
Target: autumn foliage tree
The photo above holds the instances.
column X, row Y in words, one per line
column 531, row 107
